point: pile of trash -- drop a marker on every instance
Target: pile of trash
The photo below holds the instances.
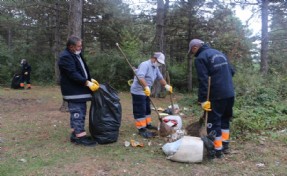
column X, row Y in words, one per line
column 181, row 147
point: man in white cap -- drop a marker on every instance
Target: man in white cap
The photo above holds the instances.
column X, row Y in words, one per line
column 212, row 63
column 147, row 73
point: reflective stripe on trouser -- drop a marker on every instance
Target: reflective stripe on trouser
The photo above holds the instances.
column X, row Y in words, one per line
column 148, row 120
column 218, row 143
column 77, row 116
column 143, row 122
column 141, row 110
column 225, row 135
column 140, row 123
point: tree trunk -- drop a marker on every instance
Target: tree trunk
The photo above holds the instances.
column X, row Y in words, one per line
column 189, row 74
column 75, row 18
column 74, row 27
column 57, row 43
column 189, row 71
column 159, row 35
column 162, row 8
column 9, row 40
column 264, row 38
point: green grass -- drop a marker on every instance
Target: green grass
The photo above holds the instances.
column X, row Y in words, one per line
column 33, row 129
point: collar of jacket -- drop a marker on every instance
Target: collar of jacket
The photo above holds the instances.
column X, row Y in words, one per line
column 202, row 48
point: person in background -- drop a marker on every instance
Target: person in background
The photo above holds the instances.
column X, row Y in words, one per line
column 76, row 87
column 147, row 72
column 25, row 74
column 212, row 63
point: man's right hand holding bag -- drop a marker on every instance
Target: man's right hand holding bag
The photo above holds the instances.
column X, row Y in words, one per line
column 93, row 86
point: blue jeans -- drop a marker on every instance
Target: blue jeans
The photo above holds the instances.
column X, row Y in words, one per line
column 77, row 116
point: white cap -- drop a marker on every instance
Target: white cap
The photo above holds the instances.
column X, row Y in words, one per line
column 194, row 42
column 160, row 57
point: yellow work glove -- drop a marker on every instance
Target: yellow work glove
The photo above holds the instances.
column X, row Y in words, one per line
column 95, row 82
column 94, row 87
column 147, row 91
column 168, row 88
column 206, row 106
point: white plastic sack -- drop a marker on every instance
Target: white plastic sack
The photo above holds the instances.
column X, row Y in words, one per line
column 188, row 149
column 171, row 148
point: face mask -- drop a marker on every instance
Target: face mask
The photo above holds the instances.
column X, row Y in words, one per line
column 78, row 52
column 156, row 64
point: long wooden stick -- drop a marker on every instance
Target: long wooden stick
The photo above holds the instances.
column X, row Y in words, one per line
column 208, row 93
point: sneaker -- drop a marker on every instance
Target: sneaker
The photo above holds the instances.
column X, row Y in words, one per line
column 85, row 140
column 146, row 134
column 151, row 127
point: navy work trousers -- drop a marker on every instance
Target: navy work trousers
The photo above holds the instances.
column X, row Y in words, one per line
column 220, row 116
column 77, row 116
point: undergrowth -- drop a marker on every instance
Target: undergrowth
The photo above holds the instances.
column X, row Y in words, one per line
column 260, row 104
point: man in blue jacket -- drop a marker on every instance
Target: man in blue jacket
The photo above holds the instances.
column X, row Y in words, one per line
column 76, row 87
column 212, row 63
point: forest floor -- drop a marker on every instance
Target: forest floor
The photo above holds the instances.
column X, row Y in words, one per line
column 34, row 140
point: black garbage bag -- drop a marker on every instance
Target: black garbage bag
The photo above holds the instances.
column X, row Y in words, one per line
column 105, row 115
column 16, row 80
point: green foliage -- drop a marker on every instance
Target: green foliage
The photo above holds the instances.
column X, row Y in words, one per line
column 260, row 103
column 43, row 70
column 131, row 47
column 278, row 33
column 8, row 65
column 110, row 68
column 177, row 73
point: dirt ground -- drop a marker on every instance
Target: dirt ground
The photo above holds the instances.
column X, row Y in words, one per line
column 34, row 140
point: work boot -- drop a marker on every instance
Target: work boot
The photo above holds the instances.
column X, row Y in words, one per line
column 218, row 154
column 211, row 154
column 146, row 134
column 151, row 127
column 225, row 148
column 214, row 154
column 22, row 86
column 85, row 140
column 207, row 143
